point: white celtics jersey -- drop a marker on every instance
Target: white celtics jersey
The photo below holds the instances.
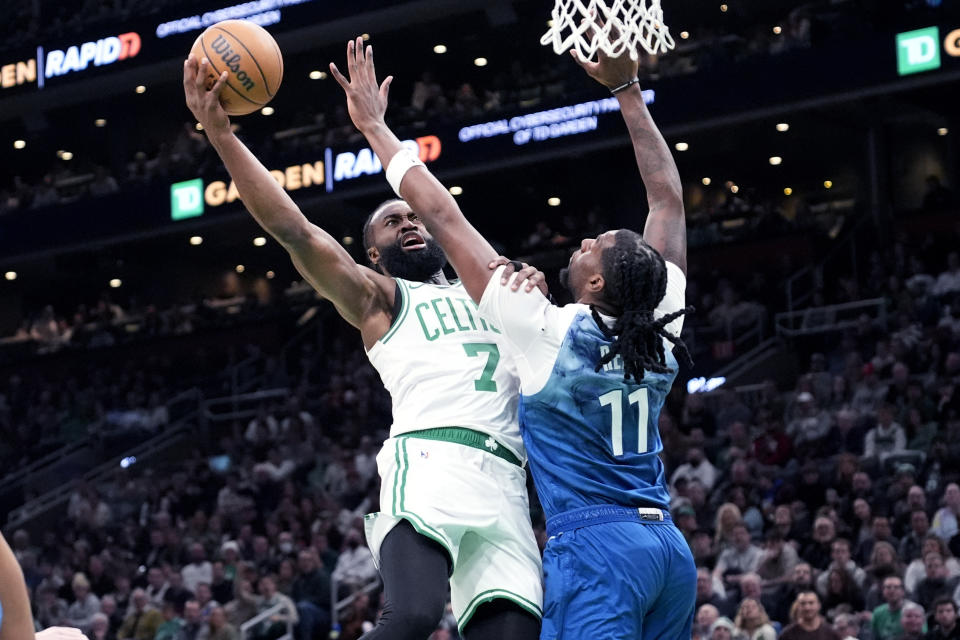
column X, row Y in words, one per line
column 444, row 366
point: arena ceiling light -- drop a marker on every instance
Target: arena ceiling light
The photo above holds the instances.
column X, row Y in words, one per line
column 783, row 127
column 271, row 275
column 776, row 161
column 116, row 283
column 456, row 190
column 942, row 131
column 554, row 201
column 316, row 74
column 66, row 155
column 440, row 48
column 681, row 146
column 19, row 144
column 347, row 240
column 259, row 241
column 777, row 30
column 196, row 240
column 10, row 275
column 723, row 8
column 684, row 35
column 828, row 184
column 706, row 182
column 198, row 127
column 480, row 62
column 100, row 122
column 788, row 191
column 140, row 89
column 267, row 111
column 239, row 268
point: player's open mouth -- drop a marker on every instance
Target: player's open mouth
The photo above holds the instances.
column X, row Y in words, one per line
column 412, row 241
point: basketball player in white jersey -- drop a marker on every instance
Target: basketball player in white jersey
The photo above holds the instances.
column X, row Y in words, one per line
column 453, row 495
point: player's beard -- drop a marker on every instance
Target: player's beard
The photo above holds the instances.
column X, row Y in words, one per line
column 416, row 266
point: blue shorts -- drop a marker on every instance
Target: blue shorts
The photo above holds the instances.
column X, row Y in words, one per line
column 610, row 573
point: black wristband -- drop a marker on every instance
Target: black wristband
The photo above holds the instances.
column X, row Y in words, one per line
column 624, row 87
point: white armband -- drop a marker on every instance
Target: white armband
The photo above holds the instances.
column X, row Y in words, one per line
column 402, row 161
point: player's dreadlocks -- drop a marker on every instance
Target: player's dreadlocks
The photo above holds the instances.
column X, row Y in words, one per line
column 635, row 277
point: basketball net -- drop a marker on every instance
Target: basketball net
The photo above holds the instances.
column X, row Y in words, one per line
column 620, row 28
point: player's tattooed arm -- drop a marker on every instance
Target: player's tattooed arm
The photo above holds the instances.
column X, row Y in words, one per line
column 666, row 228
column 362, row 296
column 468, row 251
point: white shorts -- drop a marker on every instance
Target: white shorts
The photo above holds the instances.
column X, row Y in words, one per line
column 472, row 503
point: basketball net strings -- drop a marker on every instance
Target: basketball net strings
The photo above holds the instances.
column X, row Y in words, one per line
column 620, row 28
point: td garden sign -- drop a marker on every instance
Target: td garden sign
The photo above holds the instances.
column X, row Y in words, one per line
column 190, row 199
column 920, row 50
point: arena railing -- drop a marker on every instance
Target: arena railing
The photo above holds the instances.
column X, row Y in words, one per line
column 246, row 632
column 830, row 319
column 241, row 406
column 164, row 440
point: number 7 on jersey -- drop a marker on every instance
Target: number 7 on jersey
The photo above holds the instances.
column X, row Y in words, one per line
column 614, row 400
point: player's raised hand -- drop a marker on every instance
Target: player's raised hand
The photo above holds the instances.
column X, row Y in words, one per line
column 203, row 98
column 610, row 72
column 366, row 100
column 532, row 277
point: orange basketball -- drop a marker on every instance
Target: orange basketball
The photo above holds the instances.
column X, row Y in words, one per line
column 252, row 58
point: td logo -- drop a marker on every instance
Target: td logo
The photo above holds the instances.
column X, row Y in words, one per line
column 918, row 50
column 186, row 199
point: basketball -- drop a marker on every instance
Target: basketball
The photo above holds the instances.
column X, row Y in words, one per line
column 252, row 58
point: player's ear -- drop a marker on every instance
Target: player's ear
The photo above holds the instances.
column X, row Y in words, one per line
column 595, row 283
column 374, row 255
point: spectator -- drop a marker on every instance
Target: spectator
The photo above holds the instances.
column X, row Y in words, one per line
column 143, row 621
column 176, row 592
column 945, row 615
column 707, row 590
column 172, row 623
column 885, row 439
column 913, row 622
column 847, row 625
column 885, row 622
column 880, row 532
column 707, row 614
column 205, row 600
column 193, row 627
column 220, row 629
column 199, row 570
column 311, row 594
column 809, row 625
column 85, row 604
column 778, row 560
column 355, row 568
column 917, row 571
column 819, row 551
column 948, row 282
column 100, row 627
column 722, row 629
column 156, row 587
column 698, row 468
column 269, row 598
column 727, row 520
column 937, row 583
column 945, row 519
column 752, row 622
column 840, row 559
column 742, row 557
column 841, row 593
column 912, row 544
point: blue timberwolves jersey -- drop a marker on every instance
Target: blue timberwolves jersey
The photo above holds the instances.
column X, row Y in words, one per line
column 591, row 437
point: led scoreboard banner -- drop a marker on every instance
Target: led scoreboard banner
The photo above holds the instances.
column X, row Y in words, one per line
column 50, row 63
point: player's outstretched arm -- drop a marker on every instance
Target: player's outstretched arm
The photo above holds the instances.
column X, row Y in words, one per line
column 355, row 290
column 666, row 228
column 468, row 251
column 17, row 618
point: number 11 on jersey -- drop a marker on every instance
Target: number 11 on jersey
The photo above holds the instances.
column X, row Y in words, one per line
column 614, row 400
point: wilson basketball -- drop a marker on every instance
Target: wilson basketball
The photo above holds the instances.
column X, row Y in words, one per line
column 252, row 58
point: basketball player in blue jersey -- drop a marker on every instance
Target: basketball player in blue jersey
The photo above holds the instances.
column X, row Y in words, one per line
column 593, row 377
